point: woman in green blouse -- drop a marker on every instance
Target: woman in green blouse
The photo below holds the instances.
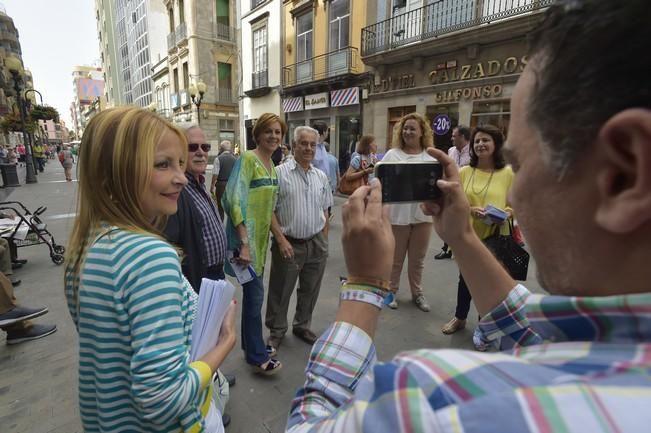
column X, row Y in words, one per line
column 249, row 201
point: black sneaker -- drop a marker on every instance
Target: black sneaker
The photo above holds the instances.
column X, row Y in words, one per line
column 34, row 332
column 443, row 255
column 230, row 378
column 226, row 420
column 18, row 314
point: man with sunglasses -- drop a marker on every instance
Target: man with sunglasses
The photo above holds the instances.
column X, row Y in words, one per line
column 197, row 227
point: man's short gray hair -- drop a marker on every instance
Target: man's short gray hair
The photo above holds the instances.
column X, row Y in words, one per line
column 188, row 126
column 301, row 129
column 225, row 145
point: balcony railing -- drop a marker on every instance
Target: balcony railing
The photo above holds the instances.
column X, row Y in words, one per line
column 224, row 32
column 444, row 16
column 260, row 79
column 181, row 33
column 171, row 41
column 225, row 95
column 333, row 64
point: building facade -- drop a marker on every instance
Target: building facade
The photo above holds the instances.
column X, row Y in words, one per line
column 261, row 26
column 105, row 15
column 324, row 78
column 87, row 87
column 454, row 61
column 9, row 45
column 202, row 51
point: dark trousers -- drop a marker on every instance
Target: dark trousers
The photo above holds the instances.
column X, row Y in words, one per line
column 463, row 299
column 220, row 187
column 307, row 268
column 253, row 345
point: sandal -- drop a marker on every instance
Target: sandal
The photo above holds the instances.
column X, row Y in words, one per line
column 270, row 368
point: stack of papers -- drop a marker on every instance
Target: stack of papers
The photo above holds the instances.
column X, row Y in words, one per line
column 8, row 225
column 214, row 299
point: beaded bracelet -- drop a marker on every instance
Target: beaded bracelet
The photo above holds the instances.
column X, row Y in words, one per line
column 365, row 287
column 362, row 296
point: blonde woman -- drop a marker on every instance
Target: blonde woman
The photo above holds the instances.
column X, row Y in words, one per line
column 411, row 228
column 124, row 286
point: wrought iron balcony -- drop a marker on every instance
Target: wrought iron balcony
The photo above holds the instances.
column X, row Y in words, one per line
column 260, row 79
column 181, row 33
column 171, row 41
column 225, row 95
column 224, row 32
column 333, row 64
column 439, row 18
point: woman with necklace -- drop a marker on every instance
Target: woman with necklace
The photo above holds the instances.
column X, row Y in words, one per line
column 411, row 227
column 487, row 180
column 249, row 201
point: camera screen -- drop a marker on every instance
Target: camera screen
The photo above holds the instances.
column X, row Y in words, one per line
column 409, row 181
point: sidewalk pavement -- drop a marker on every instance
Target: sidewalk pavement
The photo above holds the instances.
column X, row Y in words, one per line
column 38, row 392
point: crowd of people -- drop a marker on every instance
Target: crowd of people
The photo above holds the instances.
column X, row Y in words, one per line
column 574, row 173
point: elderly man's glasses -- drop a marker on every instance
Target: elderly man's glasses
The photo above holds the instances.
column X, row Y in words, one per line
column 193, row 147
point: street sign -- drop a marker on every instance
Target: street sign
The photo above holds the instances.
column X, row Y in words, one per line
column 441, row 124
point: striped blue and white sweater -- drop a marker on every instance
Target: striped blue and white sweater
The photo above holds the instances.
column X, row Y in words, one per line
column 134, row 317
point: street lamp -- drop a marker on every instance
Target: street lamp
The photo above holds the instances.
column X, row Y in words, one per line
column 15, row 67
column 197, row 92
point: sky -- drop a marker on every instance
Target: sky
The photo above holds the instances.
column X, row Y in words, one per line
column 55, row 35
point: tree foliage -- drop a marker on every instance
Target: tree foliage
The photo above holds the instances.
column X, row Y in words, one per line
column 44, row 112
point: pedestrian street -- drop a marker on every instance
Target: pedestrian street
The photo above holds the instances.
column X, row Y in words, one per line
column 38, row 391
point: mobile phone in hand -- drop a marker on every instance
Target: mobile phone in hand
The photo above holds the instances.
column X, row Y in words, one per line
column 409, row 181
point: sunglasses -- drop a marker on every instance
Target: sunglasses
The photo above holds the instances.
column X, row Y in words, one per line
column 193, row 147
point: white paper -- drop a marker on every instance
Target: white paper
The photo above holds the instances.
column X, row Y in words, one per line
column 214, row 299
column 244, row 274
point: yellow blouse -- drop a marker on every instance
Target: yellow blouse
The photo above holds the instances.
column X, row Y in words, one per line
column 483, row 188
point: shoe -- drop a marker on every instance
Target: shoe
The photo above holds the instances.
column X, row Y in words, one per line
column 16, row 283
column 273, row 343
column 306, row 335
column 421, row 303
column 230, row 378
column 20, row 261
column 453, row 326
column 393, row 304
column 16, row 265
column 443, row 255
column 478, row 341
column 268, row 368
column 18, row 314
column 226, row 420
column 34, row 332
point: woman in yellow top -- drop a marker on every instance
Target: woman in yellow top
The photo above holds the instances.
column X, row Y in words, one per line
column 486, row 181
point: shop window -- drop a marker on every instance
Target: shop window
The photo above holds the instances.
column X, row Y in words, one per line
column 443, row 142
column 348, row 134
column 497, row 113
column 395, row 114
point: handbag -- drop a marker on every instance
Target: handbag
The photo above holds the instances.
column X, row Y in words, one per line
column 347, row 186
column 507, row 250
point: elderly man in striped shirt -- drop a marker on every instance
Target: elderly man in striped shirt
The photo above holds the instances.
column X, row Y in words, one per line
column 300, row 240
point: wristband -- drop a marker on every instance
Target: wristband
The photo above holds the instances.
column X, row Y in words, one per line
column 381, row 284
column 362, row 296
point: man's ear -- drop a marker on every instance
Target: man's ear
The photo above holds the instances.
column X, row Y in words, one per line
column 624, row 172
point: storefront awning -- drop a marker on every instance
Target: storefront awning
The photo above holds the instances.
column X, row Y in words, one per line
column 342, row 97
column 293, row 104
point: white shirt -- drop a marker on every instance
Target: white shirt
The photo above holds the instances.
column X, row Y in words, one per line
column 303, row 196
column 460, row 157
column 407, row 213
column 215, row 167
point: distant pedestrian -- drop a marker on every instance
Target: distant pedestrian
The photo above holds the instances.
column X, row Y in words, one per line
column 66, row 159
column 299, row 250
column 333, row 170
column 124, row 285
column 12, row 158
column 20, row 150
column 222, row 167
column 38, row 153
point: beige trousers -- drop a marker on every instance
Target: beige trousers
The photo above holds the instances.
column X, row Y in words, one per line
column 411, row 241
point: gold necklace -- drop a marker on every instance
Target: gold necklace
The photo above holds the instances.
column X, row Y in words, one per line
column 484, row 190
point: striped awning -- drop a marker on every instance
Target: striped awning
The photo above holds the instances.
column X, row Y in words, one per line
column 349, row 96
column 293, row 104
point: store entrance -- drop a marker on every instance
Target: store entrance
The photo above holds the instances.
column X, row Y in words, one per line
column 348, row 134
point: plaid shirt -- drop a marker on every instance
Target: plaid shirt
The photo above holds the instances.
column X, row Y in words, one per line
column 212, row 228
column 577, row 365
